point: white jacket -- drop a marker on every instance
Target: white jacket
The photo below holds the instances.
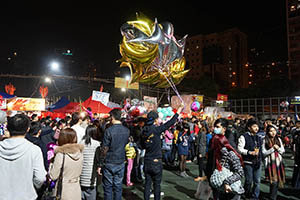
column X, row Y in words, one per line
column 21, row 168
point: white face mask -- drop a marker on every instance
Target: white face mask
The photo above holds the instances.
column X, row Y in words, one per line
column 218, row 130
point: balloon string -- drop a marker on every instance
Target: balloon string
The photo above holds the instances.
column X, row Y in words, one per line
column 172, row 85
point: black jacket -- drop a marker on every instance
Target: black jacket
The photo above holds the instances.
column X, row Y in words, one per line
column 42, row 145
column 151, row 138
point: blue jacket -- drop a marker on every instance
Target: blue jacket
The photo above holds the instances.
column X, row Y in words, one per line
column 115, row 138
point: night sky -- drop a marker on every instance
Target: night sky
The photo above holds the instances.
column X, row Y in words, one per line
column 35, row 30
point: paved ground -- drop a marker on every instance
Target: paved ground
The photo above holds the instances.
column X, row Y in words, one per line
column 178, row 188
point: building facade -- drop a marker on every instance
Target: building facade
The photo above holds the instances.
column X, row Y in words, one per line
column 293, row 37
column 261, row 69
column 223, row 56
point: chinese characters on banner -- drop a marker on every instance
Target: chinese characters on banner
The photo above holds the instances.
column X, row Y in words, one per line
column 26, row 104
column 103, row 97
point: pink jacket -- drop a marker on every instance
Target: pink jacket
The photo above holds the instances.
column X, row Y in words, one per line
column 168, row 137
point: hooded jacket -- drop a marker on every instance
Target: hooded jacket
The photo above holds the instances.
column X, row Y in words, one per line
column 72, row 169
column 21, row 168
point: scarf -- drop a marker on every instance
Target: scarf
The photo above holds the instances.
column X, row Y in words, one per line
column 275, row 169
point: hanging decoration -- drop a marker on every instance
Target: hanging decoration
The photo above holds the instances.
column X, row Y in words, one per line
column 44, row 91
column 10, row 89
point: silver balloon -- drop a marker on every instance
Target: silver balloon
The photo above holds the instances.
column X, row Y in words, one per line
column 156, row 38
column 130, row 32
column 169, row 49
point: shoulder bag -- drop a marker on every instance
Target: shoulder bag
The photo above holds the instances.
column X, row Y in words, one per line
column 60, row 180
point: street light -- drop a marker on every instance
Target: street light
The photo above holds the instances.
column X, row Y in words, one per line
column 48, row 80
column 54, row 66
column 127, row 77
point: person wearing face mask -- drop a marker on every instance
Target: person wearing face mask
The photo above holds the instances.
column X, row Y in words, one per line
column 221, row 127
column 249, row 146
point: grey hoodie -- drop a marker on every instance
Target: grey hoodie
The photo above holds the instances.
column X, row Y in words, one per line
column 21, row 168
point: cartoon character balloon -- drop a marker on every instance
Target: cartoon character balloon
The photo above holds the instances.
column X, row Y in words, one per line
column 152, row 53
column 195, row 106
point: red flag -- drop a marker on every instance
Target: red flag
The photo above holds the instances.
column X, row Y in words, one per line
column 222, row 97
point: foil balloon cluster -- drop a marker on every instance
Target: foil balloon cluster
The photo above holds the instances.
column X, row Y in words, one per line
column 163, row 113
column 152, row 52
column 136, row 108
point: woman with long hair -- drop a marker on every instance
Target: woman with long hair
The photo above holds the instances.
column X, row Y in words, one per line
column 226, row 156
column 272, row 150
column 89, row 169
column 69, row 158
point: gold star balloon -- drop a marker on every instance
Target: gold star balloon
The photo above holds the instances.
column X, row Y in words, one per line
column 152, row 53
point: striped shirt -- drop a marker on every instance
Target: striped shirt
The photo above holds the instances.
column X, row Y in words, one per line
column 87, row 178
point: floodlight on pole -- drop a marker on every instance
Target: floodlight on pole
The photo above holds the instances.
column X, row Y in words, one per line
column 54, row 66
column 127, row 78
column 48, row 80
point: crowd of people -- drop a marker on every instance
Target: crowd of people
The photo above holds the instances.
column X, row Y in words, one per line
column 68, row 158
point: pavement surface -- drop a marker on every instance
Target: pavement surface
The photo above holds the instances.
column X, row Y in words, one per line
column 178, row 188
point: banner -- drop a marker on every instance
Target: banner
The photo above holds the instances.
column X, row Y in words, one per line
column 188, row 100
column 2, row 103
column 122, row 83
column 103, row 97
column 26, row 104
column 150, row 103
column 222, row 97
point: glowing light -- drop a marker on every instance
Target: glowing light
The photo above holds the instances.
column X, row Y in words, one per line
column 123, row 89
column 54, row 66
column 127, row 77
column 48, row 80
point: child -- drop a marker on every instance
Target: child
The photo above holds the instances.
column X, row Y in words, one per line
column 130, row 155
column 183, row 140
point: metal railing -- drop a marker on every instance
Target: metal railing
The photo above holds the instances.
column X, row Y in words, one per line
column 262, row 107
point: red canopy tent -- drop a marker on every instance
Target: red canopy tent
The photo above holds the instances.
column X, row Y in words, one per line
column 96, row 106
column 70, row 108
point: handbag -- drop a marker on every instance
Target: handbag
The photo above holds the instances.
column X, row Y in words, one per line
column 59, row 181
column 218, row 177
column 204, row 191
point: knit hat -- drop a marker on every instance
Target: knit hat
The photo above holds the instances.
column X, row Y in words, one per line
column 151, row 117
